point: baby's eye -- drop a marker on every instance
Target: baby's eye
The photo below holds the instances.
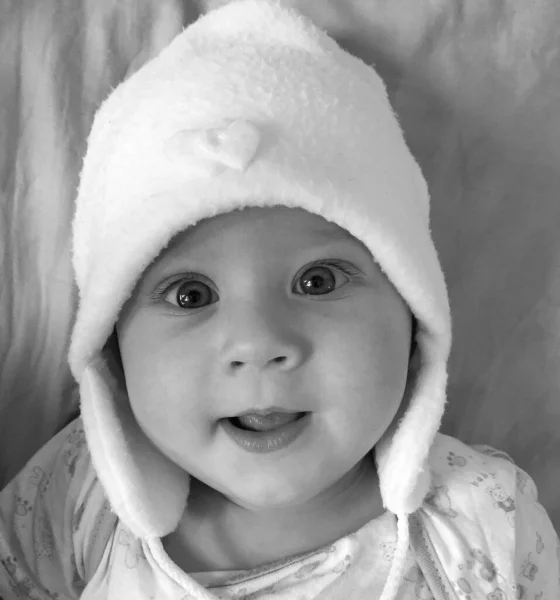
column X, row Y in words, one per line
column 321, row 279
column 190, row 294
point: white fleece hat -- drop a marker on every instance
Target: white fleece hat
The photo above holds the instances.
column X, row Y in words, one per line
column 252, row 105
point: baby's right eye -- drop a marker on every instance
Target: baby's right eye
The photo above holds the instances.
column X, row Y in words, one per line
column 189, row 294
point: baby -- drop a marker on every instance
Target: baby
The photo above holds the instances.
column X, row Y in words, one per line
column 261, row 347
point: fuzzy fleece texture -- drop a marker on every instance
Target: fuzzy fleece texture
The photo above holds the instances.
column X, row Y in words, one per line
column 476, row 90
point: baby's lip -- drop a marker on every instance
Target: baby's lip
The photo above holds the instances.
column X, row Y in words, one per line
column 267, row 411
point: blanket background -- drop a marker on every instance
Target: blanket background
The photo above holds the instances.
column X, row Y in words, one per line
column 476, row 86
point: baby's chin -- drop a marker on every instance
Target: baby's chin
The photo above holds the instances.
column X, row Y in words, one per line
column 268, row 495
column 273, row 492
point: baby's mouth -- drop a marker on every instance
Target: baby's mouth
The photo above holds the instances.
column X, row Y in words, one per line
column 268, row 422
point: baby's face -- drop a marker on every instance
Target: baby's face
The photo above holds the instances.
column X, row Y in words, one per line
column 258, row 308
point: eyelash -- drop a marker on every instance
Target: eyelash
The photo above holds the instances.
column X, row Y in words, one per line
column 163, row 289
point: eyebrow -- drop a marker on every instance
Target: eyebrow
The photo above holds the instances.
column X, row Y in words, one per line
column 336, row 235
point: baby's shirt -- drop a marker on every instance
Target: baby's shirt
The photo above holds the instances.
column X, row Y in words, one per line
column 481, row 533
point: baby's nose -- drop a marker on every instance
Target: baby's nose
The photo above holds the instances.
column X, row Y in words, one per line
column 264, row 352
column 262, row 336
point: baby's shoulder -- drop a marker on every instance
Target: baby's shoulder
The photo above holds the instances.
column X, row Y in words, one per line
column 474, row 479
column 483, row 526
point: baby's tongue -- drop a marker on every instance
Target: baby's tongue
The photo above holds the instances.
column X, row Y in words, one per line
column 266, row 422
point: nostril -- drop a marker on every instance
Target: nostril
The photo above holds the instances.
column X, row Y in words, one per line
column 278, row 360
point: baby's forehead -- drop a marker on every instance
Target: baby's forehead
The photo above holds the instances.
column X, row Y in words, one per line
column 296, row 227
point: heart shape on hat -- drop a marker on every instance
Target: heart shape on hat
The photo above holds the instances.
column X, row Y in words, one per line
column 233, row 146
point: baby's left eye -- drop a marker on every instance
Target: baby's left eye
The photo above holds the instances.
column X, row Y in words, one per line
column 321, row 279
column 189, row 293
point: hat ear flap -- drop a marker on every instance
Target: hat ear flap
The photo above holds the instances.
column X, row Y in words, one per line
column 146, row 490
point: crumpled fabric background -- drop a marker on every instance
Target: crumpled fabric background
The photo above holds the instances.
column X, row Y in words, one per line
column 476, row 87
